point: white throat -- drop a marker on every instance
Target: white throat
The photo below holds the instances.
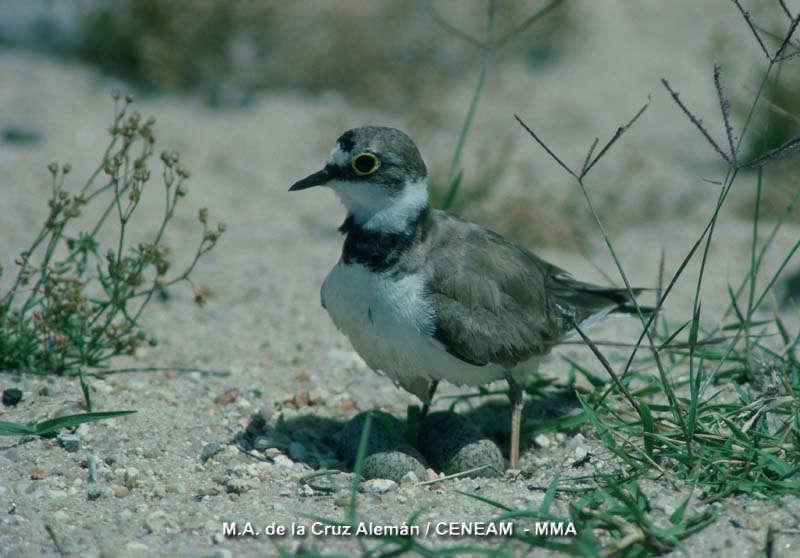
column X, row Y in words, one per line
column 375, row 208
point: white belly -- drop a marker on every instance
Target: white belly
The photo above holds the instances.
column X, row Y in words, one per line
column 391, row 324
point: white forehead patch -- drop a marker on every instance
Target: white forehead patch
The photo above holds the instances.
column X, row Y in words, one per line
column 338, row 157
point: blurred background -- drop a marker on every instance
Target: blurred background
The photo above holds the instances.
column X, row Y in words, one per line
column 246, row 84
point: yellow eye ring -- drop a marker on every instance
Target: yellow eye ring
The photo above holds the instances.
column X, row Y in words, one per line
column 365, row 163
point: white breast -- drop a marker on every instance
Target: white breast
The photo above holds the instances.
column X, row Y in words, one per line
column 390, row 323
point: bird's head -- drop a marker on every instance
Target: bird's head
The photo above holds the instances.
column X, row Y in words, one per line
column 379, row 176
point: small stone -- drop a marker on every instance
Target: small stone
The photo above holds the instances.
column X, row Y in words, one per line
column 236, row 486
column 70, row 442
column 150, row 452
column 409, row 478
column 121, row 491
column 129, row 477
column 282, row 461
column 46, row 392
column 156, row 522
column 297, row 451
column 513, row 473
column 379, row 486
column 228, row 396
column 306, row 491
column 580, row 452
column 262, row 443
column 96, row 492
column 343, row 498
column 61, row 516
column 272, row 453
column 209, row 450
column 543, row 440
column 11, row 397
column 430, row 475
column 39, row 473
column 173, row 488
column 91, row 464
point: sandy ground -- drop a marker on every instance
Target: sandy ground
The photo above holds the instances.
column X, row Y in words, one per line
column 264, row 323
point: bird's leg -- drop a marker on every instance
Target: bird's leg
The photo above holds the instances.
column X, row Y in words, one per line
column 515, row 395
column 426, row 405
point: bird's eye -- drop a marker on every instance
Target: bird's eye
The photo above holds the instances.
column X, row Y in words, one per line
column 365, row 163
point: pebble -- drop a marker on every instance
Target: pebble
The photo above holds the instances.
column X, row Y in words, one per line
column 379, row 486
column 70, row 442
column 96, row 492
column 91, row 464
column 262, row 443
column 156, row 521
column 61, row 516
column 11, row 397
column 209, row 450
column 173, row 488
column 39, row 473
column 282, row 461
column 236, row 486
column 306, row 491
column 121, row 491
column 298, row 452
column 150, row 452
column 129, row 477
column 542, row 440
column 343, row 498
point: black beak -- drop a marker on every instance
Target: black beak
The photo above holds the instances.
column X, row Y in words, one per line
column 317, row 179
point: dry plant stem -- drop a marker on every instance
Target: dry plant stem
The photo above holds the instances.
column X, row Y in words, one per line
column 61, row 326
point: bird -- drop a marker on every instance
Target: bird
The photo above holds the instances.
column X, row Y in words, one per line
column 424, row 295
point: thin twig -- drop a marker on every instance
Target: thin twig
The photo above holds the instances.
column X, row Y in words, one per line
column 589, row 156
column 59, row 544
column 101, row 373
column 456, row 475
column 785, row 9
column 746, row 16
column 725, row 107
column 522, row 27
column 447, row 26
column 698, row 123
column 544, row 146
column 607, row 365
column 779, row 53
column 621, row 130
column 780, row 152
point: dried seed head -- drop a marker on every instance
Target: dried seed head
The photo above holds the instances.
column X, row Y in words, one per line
column 129, row 98
column 115, row 94
column 202, row 215
column 183, row 189
column 221, row 228
column 66, row 168
column 53, row 168
column 110, row 168
column 62, row 195
column 199, row 299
